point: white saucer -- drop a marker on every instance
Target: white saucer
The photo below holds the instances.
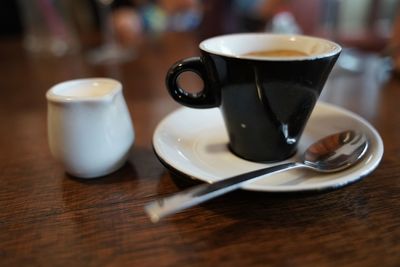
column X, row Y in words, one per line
column 194, row 143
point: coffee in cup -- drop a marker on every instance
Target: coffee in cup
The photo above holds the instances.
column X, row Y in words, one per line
column 266, row 86
column 276, row 53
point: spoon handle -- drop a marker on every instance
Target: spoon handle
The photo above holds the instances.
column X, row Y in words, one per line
column 201, row 193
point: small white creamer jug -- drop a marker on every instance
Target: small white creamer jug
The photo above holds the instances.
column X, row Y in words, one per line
column 89, row 127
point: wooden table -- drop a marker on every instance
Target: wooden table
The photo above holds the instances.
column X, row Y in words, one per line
column 48, row 218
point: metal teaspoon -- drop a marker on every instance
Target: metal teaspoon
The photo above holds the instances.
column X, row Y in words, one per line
column 330, row 154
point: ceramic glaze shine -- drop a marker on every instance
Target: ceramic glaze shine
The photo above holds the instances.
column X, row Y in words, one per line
column 90, row 137
column 85, row 89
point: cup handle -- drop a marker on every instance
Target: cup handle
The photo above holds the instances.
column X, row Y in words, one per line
column 206, row 98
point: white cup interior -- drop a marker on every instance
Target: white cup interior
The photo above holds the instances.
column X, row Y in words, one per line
column 84, row 89
column 237, row 45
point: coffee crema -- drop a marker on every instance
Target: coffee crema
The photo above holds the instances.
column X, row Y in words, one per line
column 276, row 53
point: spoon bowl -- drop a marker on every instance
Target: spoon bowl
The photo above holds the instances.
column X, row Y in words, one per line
column 333, row 153
column 336, row 152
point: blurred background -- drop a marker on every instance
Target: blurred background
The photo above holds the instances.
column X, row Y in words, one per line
column 107, row 31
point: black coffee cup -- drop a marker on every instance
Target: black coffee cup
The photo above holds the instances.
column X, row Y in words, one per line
column 266, row 86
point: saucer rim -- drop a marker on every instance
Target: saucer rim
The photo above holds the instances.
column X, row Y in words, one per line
column 326, row 189
column 366, row 170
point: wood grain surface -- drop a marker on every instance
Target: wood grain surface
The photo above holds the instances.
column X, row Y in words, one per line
column 48, row 218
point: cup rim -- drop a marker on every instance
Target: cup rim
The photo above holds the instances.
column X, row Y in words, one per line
column 53, row 96
column 335, row 48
